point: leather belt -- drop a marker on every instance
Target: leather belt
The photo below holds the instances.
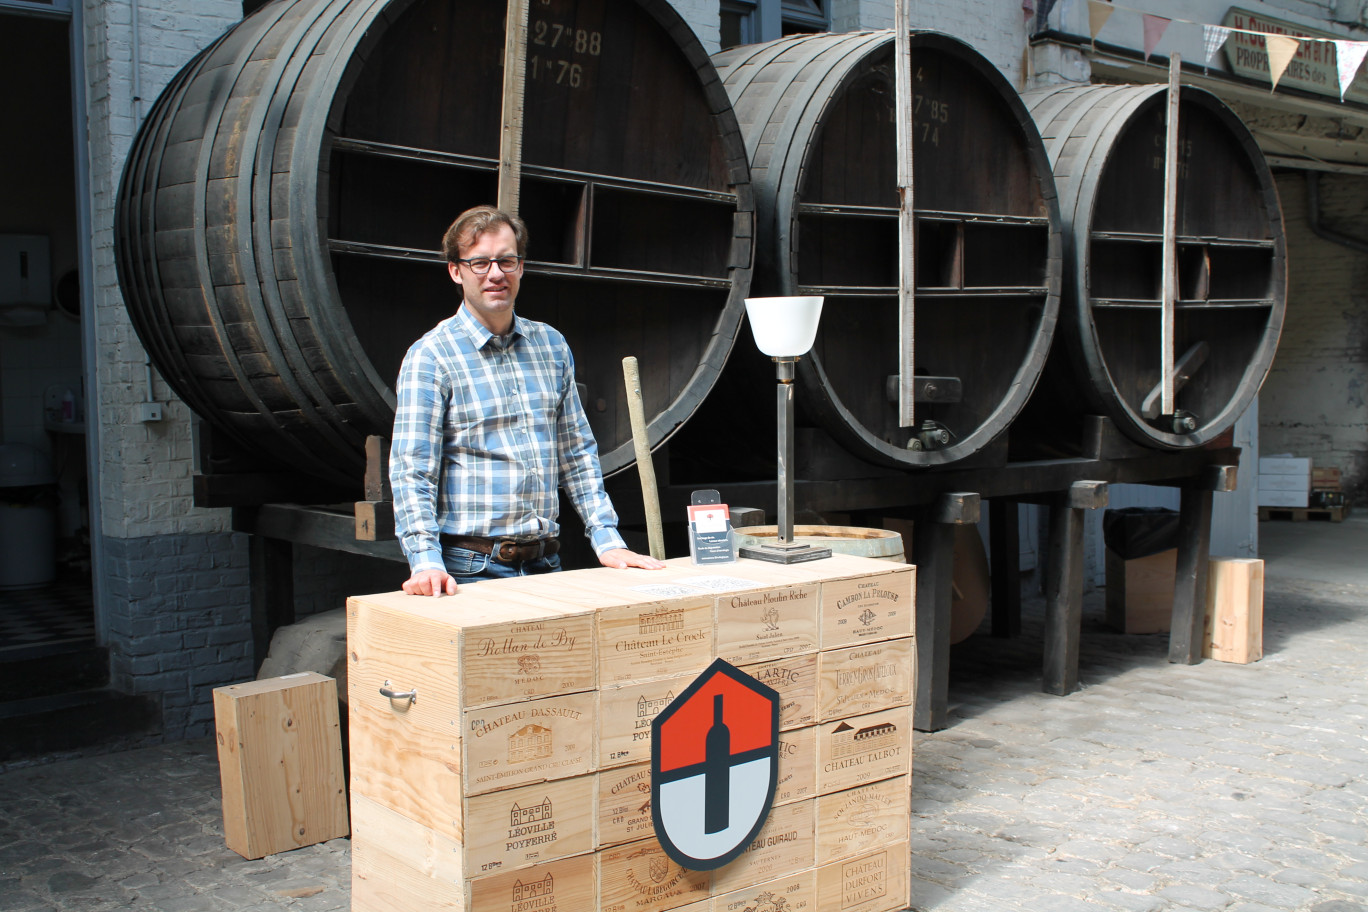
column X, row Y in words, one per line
column 504, row 550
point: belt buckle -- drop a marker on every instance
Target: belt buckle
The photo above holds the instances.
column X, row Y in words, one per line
column 496, row 553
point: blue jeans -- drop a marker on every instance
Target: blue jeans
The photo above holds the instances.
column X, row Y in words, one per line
column 472, row 566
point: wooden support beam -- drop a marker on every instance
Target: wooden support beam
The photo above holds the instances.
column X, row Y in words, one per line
column 1063, row 597
column 933, row 551
column 1190, row 578
column 907, row 219
column 1169, row 279
column 1004, row 542
column 270, row 563
column 1088, row 495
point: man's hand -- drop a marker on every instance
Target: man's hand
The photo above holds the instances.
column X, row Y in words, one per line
column 619, row 558
column 430, row 582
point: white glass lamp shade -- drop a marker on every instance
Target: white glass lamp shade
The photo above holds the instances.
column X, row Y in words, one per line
column 784, row 327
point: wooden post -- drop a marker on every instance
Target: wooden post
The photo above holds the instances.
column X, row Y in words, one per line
column 1187, row 629
column 1064, row 584
column 907, row 221
column 650, row 495
column 1170, row 255
column 933, row 551
column 514, row 83
column 1005, row 546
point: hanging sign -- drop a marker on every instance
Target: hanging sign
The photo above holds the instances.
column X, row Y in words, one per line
column 714, row 767
column 1312, row 69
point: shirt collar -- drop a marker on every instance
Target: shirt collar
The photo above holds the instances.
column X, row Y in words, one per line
column 479, row 333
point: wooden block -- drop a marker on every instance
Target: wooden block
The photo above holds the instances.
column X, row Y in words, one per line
column 863, row 749
column 769, row 624
column 797, row 765
column 520, row 743
column 795, row 679
column 640, row 877
column 515, row 828
column 654, row 640
column 874, row 882
column 864, row 609
column 625, row 717
column 280, row 763
column 399, row 865
column 566, row 884
column 1140, row 592
column 374, row 520
column 864, row 679
column 794, row 893
column 864, row 818
column 624, row 805
column 1234, row 616
column 785, row 845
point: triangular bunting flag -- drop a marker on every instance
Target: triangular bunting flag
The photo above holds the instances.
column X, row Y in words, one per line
column 1348, row 57
column 1098, row 14
column 1213, row 38
column 1154, row 30
column 1281, row 50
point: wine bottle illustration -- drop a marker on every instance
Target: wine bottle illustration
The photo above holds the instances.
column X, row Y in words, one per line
column 717, row 772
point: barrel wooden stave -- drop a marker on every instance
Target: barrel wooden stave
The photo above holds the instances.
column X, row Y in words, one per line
column 262, row 157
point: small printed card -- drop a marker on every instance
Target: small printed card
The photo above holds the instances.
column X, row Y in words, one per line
column 710, row 532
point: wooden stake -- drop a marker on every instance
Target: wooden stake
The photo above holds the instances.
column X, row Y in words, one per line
column 907, row 222
column 514, row 83
column 1170, row 256
column 645, row 467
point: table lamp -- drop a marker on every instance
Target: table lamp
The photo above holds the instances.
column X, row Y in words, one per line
column 785, row 329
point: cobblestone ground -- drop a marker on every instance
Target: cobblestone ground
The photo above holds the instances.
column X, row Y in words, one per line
column 1155, row 787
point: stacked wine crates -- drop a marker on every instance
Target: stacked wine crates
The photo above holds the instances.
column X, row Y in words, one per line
column 517, row 776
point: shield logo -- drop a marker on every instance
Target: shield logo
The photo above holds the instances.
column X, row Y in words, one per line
column 714, row 767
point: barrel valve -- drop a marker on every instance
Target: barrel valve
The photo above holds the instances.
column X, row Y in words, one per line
column 1184, row 422
column 930, row 436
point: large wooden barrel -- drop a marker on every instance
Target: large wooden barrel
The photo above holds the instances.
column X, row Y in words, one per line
column 1106, row 144
column 282, row 208
column 817, row 114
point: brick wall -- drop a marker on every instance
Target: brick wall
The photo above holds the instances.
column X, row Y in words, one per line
column 1315, row 401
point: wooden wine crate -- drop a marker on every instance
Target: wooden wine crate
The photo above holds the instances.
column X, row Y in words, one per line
column 865, row 678
column 516, row 777
column 862, row 819
column 759, row 626
column 863, row 749
column 795, row 893
column 280, row 763
column 874, row 882
column 795, row 678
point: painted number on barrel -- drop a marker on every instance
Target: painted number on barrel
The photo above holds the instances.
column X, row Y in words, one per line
column 555, row 35
column 929, row 114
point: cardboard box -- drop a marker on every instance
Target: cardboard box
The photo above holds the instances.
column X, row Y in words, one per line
column 1139, row 596
column 866, row 678
column 1285, row 465
column 280, row 763
column 1298, row 483
column 1283, row 498
column 1234, row 612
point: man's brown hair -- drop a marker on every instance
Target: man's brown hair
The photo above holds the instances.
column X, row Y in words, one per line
column 472, row 223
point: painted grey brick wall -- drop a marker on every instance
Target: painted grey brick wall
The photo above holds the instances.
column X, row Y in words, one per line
column 324, row 579
column 1315, row 401
column 179, row 622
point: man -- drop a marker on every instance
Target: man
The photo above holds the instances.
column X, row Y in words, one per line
column 488, row 425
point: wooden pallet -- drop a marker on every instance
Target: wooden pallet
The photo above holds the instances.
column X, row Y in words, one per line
column 1302, row 514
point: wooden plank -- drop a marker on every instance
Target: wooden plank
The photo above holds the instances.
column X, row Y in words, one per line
column 520, row 827
column 795, row 678
column 795, row 893
column 933, row 552
column 651, row 640
column 533, row 741
column 625, row 717
column 868, row 608
column 568, row 883
column 1234, row 612
column 874, row 882
column 514, row 84
column 1169, row 278
column 754, row 626
column 863, row 749
column 785, row 845
column 374, row 520
column 377, row 480
column 624, row 805
column 640, row 877
column 907, row 218
column 280, row 763
column 797, row 765
column 399, row 865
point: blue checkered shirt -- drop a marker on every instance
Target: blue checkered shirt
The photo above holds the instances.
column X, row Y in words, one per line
column 485, row 429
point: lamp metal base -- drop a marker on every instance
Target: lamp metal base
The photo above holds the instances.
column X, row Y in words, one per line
column 785, row 553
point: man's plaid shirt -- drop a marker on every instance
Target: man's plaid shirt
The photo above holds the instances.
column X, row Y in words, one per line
column 486, row 428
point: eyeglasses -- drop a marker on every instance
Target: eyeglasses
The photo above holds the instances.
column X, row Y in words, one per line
column 480, row 265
